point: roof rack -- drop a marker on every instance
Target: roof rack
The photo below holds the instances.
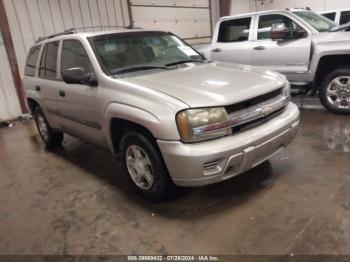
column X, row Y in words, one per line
column 75, row 30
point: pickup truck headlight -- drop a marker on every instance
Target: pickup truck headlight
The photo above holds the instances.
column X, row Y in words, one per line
column 286, row 89
column 202, row 124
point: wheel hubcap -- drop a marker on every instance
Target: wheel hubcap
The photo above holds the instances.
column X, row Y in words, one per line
column 43, row 128
column 139, row 167
column 338, row 92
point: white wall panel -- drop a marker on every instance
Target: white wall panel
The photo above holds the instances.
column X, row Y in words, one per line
column 241, row 7
column 30, row 19
column 190, row 19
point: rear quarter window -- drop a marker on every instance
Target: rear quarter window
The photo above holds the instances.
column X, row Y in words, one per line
column 48, row 62
column 32, row 60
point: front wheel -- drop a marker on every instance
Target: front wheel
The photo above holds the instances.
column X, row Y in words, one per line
column 144, row 167
column 335, row 91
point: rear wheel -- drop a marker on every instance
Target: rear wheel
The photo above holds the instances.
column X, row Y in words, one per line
column 335, row 91
column 144, row 167
column 49, row 137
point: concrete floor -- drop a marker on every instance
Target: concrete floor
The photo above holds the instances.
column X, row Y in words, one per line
column 73, row 201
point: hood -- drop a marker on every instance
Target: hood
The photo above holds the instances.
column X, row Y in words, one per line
column 331, row 37
column 344, row 27
column 212, row 84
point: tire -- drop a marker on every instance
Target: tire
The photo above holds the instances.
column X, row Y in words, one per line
column 331, row 92
column 149, row 163
column 49, row 137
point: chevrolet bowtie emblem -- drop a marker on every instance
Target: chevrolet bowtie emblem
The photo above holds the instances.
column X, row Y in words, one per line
column 266, row 109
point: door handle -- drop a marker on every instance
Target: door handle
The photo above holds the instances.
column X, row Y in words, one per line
column 260, row 47
column 62, row 93
column 37, row 88
column 216, row 50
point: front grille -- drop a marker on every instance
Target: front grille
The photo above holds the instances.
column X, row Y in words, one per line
column 256, row 122
column 253, row 101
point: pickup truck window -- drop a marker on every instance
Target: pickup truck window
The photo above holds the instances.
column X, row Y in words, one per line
column 319, row 22
column 330, row 16
column 74, row 55
column 266, row 22
column 48, row 63
column 121, row 52
column 31, row 61
column 236, row 30
column 344, row 17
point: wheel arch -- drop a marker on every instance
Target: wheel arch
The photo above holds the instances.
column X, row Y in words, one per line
column 327, row 64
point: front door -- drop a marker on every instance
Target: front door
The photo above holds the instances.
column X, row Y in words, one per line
column 232, row 42
column 79, row 104
column 290, row 56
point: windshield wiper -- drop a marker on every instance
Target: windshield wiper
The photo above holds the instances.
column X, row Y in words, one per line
column 185, row 61
column 137, row 68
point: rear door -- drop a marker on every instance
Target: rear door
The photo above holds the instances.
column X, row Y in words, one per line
column 291, row 56
column 47, row 84
column 231, row 42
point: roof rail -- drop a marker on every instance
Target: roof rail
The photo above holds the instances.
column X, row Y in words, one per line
column 75, row 30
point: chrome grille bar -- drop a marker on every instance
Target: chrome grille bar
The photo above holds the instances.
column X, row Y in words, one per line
column 245, row 115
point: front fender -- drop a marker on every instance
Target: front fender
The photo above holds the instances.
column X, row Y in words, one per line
column 164, row 129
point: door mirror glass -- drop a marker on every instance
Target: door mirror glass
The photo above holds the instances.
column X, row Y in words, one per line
column 280, row 32
column 78, row 75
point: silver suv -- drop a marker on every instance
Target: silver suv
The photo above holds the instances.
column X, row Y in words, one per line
column 172, row 116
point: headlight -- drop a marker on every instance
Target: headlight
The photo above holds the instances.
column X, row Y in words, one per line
column 286, row 89
column 202, row 124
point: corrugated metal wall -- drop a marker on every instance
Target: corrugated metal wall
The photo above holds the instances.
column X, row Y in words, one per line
column 9, row 104
column 30, row 19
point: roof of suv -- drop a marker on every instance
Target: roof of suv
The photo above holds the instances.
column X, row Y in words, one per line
column 71, row 32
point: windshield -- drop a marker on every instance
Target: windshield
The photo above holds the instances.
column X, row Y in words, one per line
column 319, row 22
column 132, row 51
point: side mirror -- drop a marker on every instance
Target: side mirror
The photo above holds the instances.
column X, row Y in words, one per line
column 77, row 75
column 279, row 32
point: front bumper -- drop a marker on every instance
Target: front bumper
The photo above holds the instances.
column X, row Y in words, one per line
column 212, row 161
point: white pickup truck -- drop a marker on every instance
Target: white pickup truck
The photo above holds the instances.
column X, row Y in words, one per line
column 311, row 50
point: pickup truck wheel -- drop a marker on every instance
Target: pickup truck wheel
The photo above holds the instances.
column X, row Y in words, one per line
column 144, row 167
column 50, row 138
column 335, row 91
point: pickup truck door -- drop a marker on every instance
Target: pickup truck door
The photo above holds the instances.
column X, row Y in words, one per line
column 231, row 41
column 290, row 57
column 79, row 104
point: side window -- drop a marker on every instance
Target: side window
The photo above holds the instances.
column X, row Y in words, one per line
column 344, row 17
column 330, row 16
column 266, row 22
column 48, row 63
column 74, row 55
column 31, row 61
column 236, row 30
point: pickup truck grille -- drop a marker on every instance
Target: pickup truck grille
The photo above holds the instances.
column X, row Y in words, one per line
column 254, row 112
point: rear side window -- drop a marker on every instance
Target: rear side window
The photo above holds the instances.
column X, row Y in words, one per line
column 344, row 17
column 74, row 55
column 330, row 16
column 236, row 30
column 31, row 61
column 48, row 63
